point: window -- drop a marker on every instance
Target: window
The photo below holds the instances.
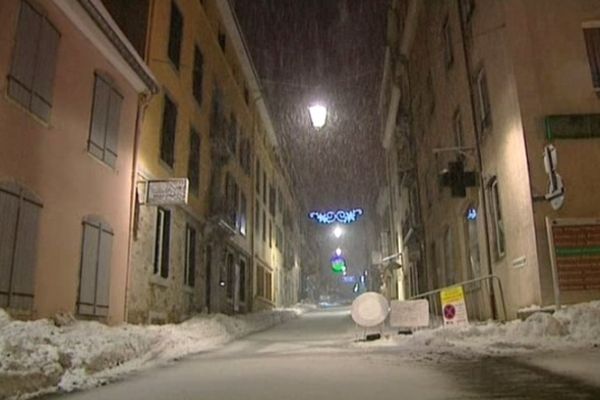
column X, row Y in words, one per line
column 189, row 273
column 246, row 95
column 242, row 213
column 265, row 187
column 268, row 285
column 230, row 274
column 175, row 35
column 264, row 226
column 94, row 277
column 260, row 281
column 231, row 200
column 483, row 102
column 448, row 49
column 222, row 40
column 242, row 280
column 19, row 214
column 245, row 156
column 270, row 233
column 167, row 140
column 104, row 129
column 257, row 218
column 162, row 242
column 592, row 42
column 458, row 129
column 272, row 200
column 31, row 77
column 264, row 282
column 194, row 161
column 497, row 219
column 198, row 74
column 257, row 182
column 232, row 136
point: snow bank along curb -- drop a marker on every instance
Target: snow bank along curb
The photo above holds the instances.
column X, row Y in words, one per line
column 573, row 327
column 40, row 356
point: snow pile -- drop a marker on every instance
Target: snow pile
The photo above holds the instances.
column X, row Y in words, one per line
column 64, row 354
column 573, row 327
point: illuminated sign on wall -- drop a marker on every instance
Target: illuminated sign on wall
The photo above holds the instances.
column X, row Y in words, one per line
column 472, row 214
column 341, row 216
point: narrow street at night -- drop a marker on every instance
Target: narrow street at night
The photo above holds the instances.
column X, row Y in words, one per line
column 299, row 199
column 317, row 357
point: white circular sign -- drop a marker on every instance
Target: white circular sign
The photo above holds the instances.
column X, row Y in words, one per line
column 370, row 309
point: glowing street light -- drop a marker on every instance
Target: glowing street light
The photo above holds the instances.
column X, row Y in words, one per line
column 318, row 115
column 337, row 232
column 338, row 252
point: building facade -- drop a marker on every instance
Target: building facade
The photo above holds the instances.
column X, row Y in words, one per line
column 482, row 91
column 68, row 121
column 209, row 125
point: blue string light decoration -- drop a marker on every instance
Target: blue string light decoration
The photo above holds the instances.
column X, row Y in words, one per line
column 341, row 216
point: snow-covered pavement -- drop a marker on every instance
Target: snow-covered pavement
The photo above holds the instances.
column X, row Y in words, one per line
column 317, row 357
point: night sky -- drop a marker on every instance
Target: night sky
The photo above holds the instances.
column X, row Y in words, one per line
column 330, row 51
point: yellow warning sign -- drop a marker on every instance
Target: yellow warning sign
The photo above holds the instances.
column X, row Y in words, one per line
column 453, row 306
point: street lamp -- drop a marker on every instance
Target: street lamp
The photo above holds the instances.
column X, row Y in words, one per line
column 338, row 252
column 337, row 232
column 318, row 115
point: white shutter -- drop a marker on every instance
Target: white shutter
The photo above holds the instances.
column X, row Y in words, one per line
column 112, row 128
column 23, row 63
column 9, row 207
column 103, row 274
column 89, row 262
column 45, row 65
column 100, row 108
column 25, row 256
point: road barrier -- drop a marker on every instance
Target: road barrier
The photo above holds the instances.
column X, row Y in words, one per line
column 479, row 298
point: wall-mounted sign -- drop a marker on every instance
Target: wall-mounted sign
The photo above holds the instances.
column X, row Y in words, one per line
column 340, row 216
column 167, row 191
column 471, row 214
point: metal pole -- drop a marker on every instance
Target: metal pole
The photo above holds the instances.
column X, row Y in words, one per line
column 484, row 205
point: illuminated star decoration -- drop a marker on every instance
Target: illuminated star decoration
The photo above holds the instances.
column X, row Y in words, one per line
column 341, row 216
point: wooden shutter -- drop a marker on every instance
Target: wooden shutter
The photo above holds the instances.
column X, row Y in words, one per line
column 9, row 208
column 89, row 264
column 45, row 66
column 166, row 241
column 592, row 42
column 94, row 282
column 112, row 128
column 23, row 64
column 19, row 215
column 103, row 273
column 100, row 109
column 25, row 256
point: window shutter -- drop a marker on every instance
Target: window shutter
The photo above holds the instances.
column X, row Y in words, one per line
column 89, row 262
column 166, row 241
column 23, row 63
column 112, row 128
column 592, row 42
column 100, row 109
column 103, row 273
column 9, row 208
column 25, row 256
column 45, row 66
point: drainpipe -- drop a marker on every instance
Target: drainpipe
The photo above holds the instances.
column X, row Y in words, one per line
column 143, row 101
column 484, row 205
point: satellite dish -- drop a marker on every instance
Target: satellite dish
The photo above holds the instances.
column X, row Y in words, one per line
column 370, row 309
